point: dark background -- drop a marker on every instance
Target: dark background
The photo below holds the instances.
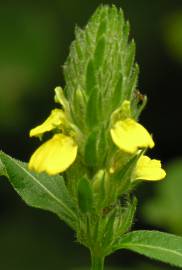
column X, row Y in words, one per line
column 34, row 43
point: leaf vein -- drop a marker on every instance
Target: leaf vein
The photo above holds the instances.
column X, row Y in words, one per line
column 154, row 247
column 44, row 188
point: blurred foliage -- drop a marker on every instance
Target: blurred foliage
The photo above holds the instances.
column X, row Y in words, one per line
column 164, row 209
column 172, row 31
column 28, row 51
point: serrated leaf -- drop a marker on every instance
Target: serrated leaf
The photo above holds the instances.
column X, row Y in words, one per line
column 85, row 195
column 40, row 190
column 155, row 245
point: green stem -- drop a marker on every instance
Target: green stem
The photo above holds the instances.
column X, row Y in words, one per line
column 97, row 262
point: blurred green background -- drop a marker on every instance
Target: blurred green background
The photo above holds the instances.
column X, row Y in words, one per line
column 34, row 42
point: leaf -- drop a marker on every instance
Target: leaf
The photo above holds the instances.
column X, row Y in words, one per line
column 85, row 195
column 2, row 169
column 154, row 244
column 40, row 190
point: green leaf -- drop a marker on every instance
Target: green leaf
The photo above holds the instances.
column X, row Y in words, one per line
column 85, row 195
column 155, row 245
column 2, row 169
column 40, row 190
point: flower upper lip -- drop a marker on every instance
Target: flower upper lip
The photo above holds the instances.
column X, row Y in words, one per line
column 56, row 119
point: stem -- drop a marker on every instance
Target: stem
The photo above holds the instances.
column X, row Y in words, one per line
column 97, row 262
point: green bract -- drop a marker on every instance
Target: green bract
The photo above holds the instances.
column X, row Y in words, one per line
column 100, row 71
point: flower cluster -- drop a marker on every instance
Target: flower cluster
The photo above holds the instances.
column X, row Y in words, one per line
column 58, row 153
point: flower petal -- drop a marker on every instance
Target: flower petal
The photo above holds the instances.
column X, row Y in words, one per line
column 55, row 155
column 130, row 136
column 148, row 169
column 55, row 119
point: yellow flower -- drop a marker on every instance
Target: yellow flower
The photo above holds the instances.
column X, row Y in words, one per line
column 130, row 136
column 148, row 169
column 56, row 118
column 55, row 155
column 127, row 134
